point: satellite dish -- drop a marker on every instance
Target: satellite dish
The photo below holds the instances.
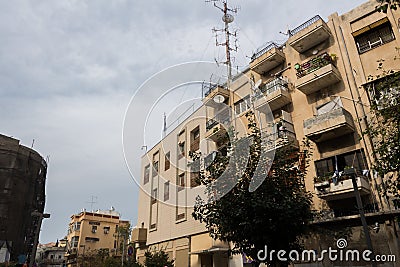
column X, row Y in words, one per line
column 227, row 18
column 257, row 84
column 219, row 99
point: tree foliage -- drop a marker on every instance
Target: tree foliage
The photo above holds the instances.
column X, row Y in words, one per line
column 274, row 215
column 157, row 259
column 385, row 127
column 384, row 5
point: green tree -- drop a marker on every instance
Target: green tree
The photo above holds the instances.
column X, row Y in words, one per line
column 157, row 259
column 384, row 127
column 275, row 215
column 384, row 5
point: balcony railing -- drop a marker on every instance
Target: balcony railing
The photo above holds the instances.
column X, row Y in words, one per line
column 330, row 214
column 272, row 86
column 263, row 49
column 207, row 88
column 313, row 65
column 222, row 117
column 304, row 25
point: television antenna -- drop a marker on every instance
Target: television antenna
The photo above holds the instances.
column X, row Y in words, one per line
column 227, row 18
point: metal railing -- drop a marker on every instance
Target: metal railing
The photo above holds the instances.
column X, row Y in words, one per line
column 272, row 86
column 263, row 49
column 222, row 117
column 328, row 214
column 305, row 25
column 207, row 88
column 313, row 64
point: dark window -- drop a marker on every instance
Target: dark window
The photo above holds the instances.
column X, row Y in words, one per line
column 94, row 229
column 167, row 161
column 146, row 174
column 155, row 168
column 242, row 105
column 374, row 37
column 106, row 229
column 327, row 167
column 154, row 196
column 166, row 191
column 194, row 179
column 180, row 216
column 181, row 182
column 195, row 139
column 181, row 150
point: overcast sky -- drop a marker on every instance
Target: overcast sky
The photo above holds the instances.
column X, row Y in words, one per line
column 68, row 69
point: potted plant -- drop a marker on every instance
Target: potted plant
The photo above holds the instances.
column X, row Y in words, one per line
column 349, row 171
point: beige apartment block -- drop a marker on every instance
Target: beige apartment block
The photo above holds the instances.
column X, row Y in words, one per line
column 314, row 86
column 89, row 232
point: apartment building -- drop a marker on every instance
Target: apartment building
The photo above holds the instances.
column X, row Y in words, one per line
column 313, row 86
column 89, row 232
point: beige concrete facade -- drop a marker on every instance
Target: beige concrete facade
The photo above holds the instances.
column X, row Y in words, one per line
column 89, row 232
column 313, row 84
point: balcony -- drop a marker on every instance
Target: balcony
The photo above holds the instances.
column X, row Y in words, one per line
column 281, row 134
column 210, row 91
column 342, row 189
column 139, row 235
column 216, row 127
column 309, row 34
column 279, row 140
column 329, row 125
column 316, row 74
column 267, row 58
column 274, row 94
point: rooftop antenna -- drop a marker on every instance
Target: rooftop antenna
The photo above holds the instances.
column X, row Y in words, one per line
column 92, row 202
column 227, row 18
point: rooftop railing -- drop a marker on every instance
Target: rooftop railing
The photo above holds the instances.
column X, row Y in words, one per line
column 263, row 49
column 207, row 88
column 304, row 25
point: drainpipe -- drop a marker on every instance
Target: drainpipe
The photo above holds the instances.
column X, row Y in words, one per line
column 40, row 216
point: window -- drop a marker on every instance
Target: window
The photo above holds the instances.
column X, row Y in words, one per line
column 116, row 228
column 155, row 169
column 195, row 139
column 167, row 161
column 106, row 229
column 94, row 228
column 74, row 241
column 242, row 105
column 166, row 191
column 154, row 196
column 77, row 226
column 327, row 167
column 92, row 239
column 146, row 174
column 194, row 179
column 374, row 37
column 181, row 182
column 181, row 149
column 180, row 216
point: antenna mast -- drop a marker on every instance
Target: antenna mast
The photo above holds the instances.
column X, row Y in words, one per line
column 227, row 18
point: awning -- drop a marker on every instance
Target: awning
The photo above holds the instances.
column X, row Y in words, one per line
column 209, row 251
column 371, row 26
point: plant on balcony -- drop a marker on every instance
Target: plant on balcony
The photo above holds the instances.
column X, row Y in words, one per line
column 251, row 220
